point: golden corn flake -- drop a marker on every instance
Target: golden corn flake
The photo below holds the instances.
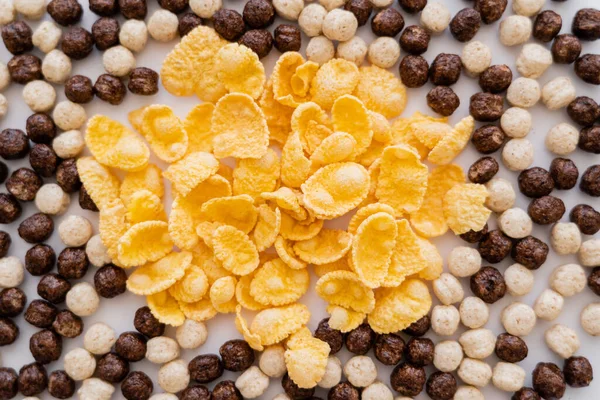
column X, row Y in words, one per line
column 203, row 257
column 236, row 211
column 254, row 176
column 286, row 199
column 430, row 133
column 222, row 294
column 344, row 320
column 144, row 242
column 408, row 257
column 214, row 187
column 303, row 77
column 285, row 250
column 197, row 124
column 402, row 133
column 277, row 115
column 267, row 227
column 328, row 246
column 182, row 225
column 452, row 144
column 192, row 287
column 160, row 275
column 433, row 260
column 339, row 265
column 164, row 132
column 240, row 128
column 291, row 229
column 205, row 229
column 372, row 154
column 306, row 358
column 240, row 70
column 382, row 130
column 243, row 296
column 145, row 206
column 112, row 224
column 345, row 289
column 150, row 178
column 464, row 207
column 373, row 171
column 135, row 118
column 338, row 147
column 276, row 284
column 191, row 170
column 234, row 249
column 365, row 212
column 241, row 325
column 275, row 324
column 99, row 182
column 397, row 308
column 312, row 124
column 351, row 116
column 165, row 308
column 381, row 91
column 283, row 72
column 335, row 78
column 295, row 167
column 199, row 311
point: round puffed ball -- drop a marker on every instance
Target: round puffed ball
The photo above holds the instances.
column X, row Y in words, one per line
column 435, row 17
column 519, row 280
column 4, row 76
column 565, row 238
column 476, row 57
column 384, row 52
column 478, row 343
column 164, row 396
column 474, row 312
column 51, row 199
column 191, row 334
column 558, row 93
column 46, row 36
column 589, row 253
column 96, row 251
column 12, row 272
column 448, row 289
column 501, row 195
column 68, row 115
column 515, row 223
column 30, row 9
column 68, row 144
column 133, row 35
column 527, row 8
column 533, row 60
column 82, row 299
column 468, row 393
column 288, row 9
column 517, row 154
column 377, row 391
column 95, row 388
column 518, row 319
column 590, row 319
column 331, row 4
column 333, row 373
column 3, row 106
column 447, row 355
column 7, row 12
column 75, row 231
column 320, row 50
column 475, row 372
column 353, row 50
column 444, row 320
column 464, row 261
column 311, row 19
column 56, row 67
column 339, row 25
column 548, row 305
column 99, row 338
column 515, row 30
column 508, row 377
column 205, row 8
column 360, row 371
column 562, row 139
column 174, row 376
column 562, row 340
column 40, row 96
column 162, row 26
column 120, row 61
column 381, row 3
column 523, row 92
column 568, row 279
column 79, row 364
column 516, row 122
column 161, row 350
column 252, row 383
column 272, row 361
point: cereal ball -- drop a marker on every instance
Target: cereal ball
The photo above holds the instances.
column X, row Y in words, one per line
column 448, row 289
column 414, row 40
column 11, row 272
column 56, row 67
column 288, row 9
column 508, row 377
column 519, row 280
column 530, row 252
column 99, row 339
column 252, row 383
column 566, row 49
column 515, row 223
column 578, row 372
column 96, row 388
column 162, row 26
column 311, row 19
column 54, row 288
column 77, row 43
column 419, row 351
column 501, row 195
column 586, row 218
column 562, row 340
column 320, row 50
column 272, row 361
column 333, row 337
column 68, row 144
column 68, row 116
column 590, row 139
column 354, row 50
column 419, row 327
column 119, row 61
column 496, row 78
column 205, row 368
column 7, row 12
column 79, row 89
column 110, row 89
column 523, row 92
column 435, row 17
column 339, row 25
column 464, row 261
column 79, row 364
column 205, row 8
column 174, row 376
column 46, row 36
column 475, row 372
column 287, row 37
column 133, row 35
column 587, row 68
column 547, row 25
column 535, row 182
column 565, row 238
column 164, row 396
column 590, row 319
column 333, row 373
column 187, row 23
column 383, row 52
column 75, row 231
column 39, row 96
column 389, row 348
column 65, row 12
column 96, row 252
column 137, row 385
column 486, row 107
column 377, row 391
column 360, row 371
column 447, row 355
column 443, row 100
column 191, row 334
column 476, row 57
column 4, row 76
column 40, row 128
column 558, row 93
column 408, row 380
column 445, row 69
column 478, row 343
column 511, row 348
column 548, row 305
column 488, row 139
column 17, row 37
column 82, row 299
column 468, row 393
column 517, row 154
column 465, row 24
column 361, row 339
column 491, row 10
column 586, row 24
column 388, row 22
column 441, row 385
column 444, row 320
column 259, row 14
column 414, row 71
column 237, row 355
column 331, row 4
column 528, row 8
column 516, row 122
column 474, row 313
column 51, row 199
column 515, row 30
column 562, row 139
column 161, row 349
column 590, row 181
column 589, row 253
column 518, row 319
column 105, row 32
column 361, row 9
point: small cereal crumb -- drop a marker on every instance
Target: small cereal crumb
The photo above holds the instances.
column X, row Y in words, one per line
column 288, row 9
column 558, row 93
column 478, row 343
column 516, row 122
column 353, row 50
column 518, row 319
column 68, row 115
column 99, row 338
column 252, row 383
column 52, row 200
column 360, row 371
column 528, row 8
column 447, row 355
column 468, row 393
column 475, row 372
column 565, row 238
column 320, row 50
column 562, row 139
column 79, row 364
column 508, row 376
column 548, row 305
column 75, row 231
column 464, row 261
column 272, row 361
column 519, row 280
column 435, row 17
column 533, row 60
column 134, row 35
column 40, row 96
column 590, row 319
column 46, row 36
column 523, row 92
column 562, row 340
column 515, row 223
column 568, row 279
column 56, row 66
column 515, row 30
column 12, row 272
column 311, row 19
column 474, row 313
column 384, row 52
column 339, row 25
column 118, row 60
column 501, row 195
column 476, row 57
column 68, row 144
column 191, row 334
column 97, row 389
column 448, row 289
column 444, row 320
column 161, row 350
column 82, row 299
column 377, row 391
column 174, row 376
column 589, row 253
column 333, row 373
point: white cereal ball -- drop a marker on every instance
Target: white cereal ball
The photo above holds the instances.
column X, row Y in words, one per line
column 562, row 139
column 95, row 389
column 476, row 57
column 501, row 195
column 464, row 261
column 82, row 299
column 518, row 319
column 40, row 96
column 79, row 364
column 515, row 223
column 523, row 92
column 384, row 52
column 96, row 251
column 568, row 279
column 311, row 19
column 331, row 4
column 558, row 93
column 447, row 355
column 448, row 289
column 515, row 30
column 164, row 396
column 30, row 9
column 360, row 371
column 75, row 231
column 68, row 115
column 174, row 376
column 333, row 373
column 589, row 253
column 99, row 338
column 3, row 106
column 381, row 3
column 508, row 377
column 562, row 340
column 46, row 36
column 12, row 272
column 590, row 319
column 517, row 154
column 444, row 320
column 161, row 350
column 435, row 17
column 162, row 26
column 548, row 305
column 134, row 35
column 353, row 50
column 56, row 66
column 205, row 8
column 320, row 50
column 4, row 76
column 478, row 343
column 533, row 60
column 51, row 199
column 68, row 144
column 252, row 383
column 377, row 391
column 519, row 280
column 288, row 9
column 7, row 12
column 191, row 334
column 475, row 372
column 339, row 25
column 272, row 361
column 474, row 313
column 468, row 393
column 527, row 8
column 120, row 61
column 516, row 122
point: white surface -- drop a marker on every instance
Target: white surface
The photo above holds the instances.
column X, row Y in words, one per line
column 119, row 312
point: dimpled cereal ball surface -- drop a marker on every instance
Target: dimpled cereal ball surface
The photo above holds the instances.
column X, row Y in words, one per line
column 339, row 25
column 119, row 60
column 40, row 96
column 464, row 261
column 447, row 355
column 590, row 319
column 474, row 312
column 333, row 373
column 360, row 371
column 384, row 52
column 51, row 199
column 548, row 305
column 12, row 272
column 99, row 338
column 56, row 67
column 97, row 389
column 320, row 50
column 192, row 334
column 272, row 361
column 75, row 231
column 96, row 252
column 252, row 383
column 377, row 391
column 161, row 349
column 174, row 376
column 82, row 299
column 162, row 26
column 468, row 393
column 562, row 340
column 562, row 139
column 508, row 377
column 435, row 17
column 79, row 364
column 518, row 319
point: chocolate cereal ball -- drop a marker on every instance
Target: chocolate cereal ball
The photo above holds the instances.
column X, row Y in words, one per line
column 535, row 182
column 414, row 71
column 490, row 10
column 465, row 24
column 79, row 89
column 137, row 386
column 112, row 368
column 578, row 372
column 333, row 337
column 54, row 288
column 589, row 139
column 104, row 8
column 546, row 210
column 133, row 9
column 566, row 48
column 441, row 386
column 548, row 380
column 564, row 173
column 259, row 41
column 73, row 263
column 445, row 69
column 495, row 79
column 488, row 284
column 12, row 302
column 110, row 89
column 24, row 184
column 5, row 242
column 197, row 392
column 205, row 368
column 175, row 6
column 510, row 348
column 67, row 176
column 287, row 38
column 8, row 383
column 67, row 324
column 45, row 346
column 9, row 331
column 110, row 281
column 10, row 209
column 17, row 37
column 414, row 40
column 590, row 181
column 292, row 390
column 443, row 100
column 237, row 355
column 482, row 170
column 586, row 24
column 33, row 379
column 547, row 25
column 37, row 228
column 187, row 23
column 229, row 24
column 40, row 128
column 419, row 327
column 65, row 12
column 494, row 246
column 486, row 107
column 389, row 348
column 419, row 351
column 105, row 32
column 587, row 67
column 412, row 6
column 131, row 346
column 387, row 22
column 61, row 385
column 525, row 394
column 226, row 390
column 488, row 138
column 360, row 340
column 39, row 259
column 43, row 160
column 77, row 43
column 586, row 218
column 583, row 111
column 361, row 9
column 40, row 313
column 3, row 172
column 147, row 324
column 343, row 391
column 258, row 14
column 24, row 68
column 13, row 144
column 143, row 81
column 408, row 380
column 530, row 252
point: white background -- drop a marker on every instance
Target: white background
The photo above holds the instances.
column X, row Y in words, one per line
column 119, row 312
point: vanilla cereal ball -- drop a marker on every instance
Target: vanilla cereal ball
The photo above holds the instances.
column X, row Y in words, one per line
column 46, row 36
column 519, row 280
column 333, row 373
column 354, row 50
column 562, row 340
column 164, row 396
column 444, row 320
column 99, row 338
column 205, row 8
column 311, row 19
column 501, row 195
column 516, row 122
column 68, row 115
column 161, row 349
column 12, row 272
column 7, row 12
column 515, row 223
column 448, row 289
column 360, row 371
column 320, row 50
column 528, row 8
column 381, row 3
column 288, row 9
column 562, row 139
column 384, row 52
column 377, row 391
column 435, row 17
column 478, row 343
column 56, row 66
column 558, row 93
column 96, row 251
column 475, row 372
column 174, row 376
column 39, row 96
column 523, row 92
column 474, row 313
column 133, row 35
column 162, row 26
column 79, row 364
column 517, row 154
column 82, row 299
column 508, row 376
column 95, row 389
column 447, row 355
column 339, row 25
column 272, row 361
column 533, row 60
column 515, row 30
column 4, row 76
column 476, row 57
column 589, row 253
column 464, row 261
column 468, row 393
column 3, row 106
column 68, row 144
column 565, row 238
column 75, row 231
column 191, row 334
column 331, row 4
column 118, row 60
column 548, row 305
column 568, row 279
column 252, row 383
column 30, row 9
column 518, row 319
column 51, row 199
column 590, row 319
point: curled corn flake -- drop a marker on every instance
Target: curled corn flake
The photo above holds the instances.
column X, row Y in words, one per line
column 452, row 144
column 303, row 76
column 276, row 284
column 226, row 172
column 345, row 289
column 373, row 181
column 381, row 91
column 328, row 246
column 464, row 207
column 114, row 145
column 165, row 308
column 275, row 324
column 145, row 206
column 234, row 249
column 144, row 242
column 306, row 358
column 351, row 116
column 267, row 227
column 286, row 199
column 312, row 125
column 222, row 293
column 338, row 147
column 164, row 132
column 135, row 118
column 283, row 72
column 214, row 187
column 344, row 320
column 295, row 167
column 335, row 78
column 155, row 277
column 240, row 70
column 199, row 311
column 241, row 325
column 240, row 128
column 408, row 257
column 205, row 229
column 266, row 257
column 254, row 176
column 365, row 212
column 433, row 260
column 182, row 225
column 192, row 287
column 339, row 265
column 382, row 130
column 285, row 251
column 226, row 308
column 197, row 124
column 150, row 178
column 277, row 115
column 100, row 183
column 243, row 296
column 203, row 257
column 236, row 211
column 191, row 170
column 402, row 133
column 291, row 229
column 373, row 153
column 112, row 225
column 397, row 308
column 430, row 132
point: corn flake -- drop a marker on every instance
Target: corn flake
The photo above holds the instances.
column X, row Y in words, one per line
column 351, row 116
column 150, row 178
column 338, row 147
column 433, row 260
column 464, row 207
column 164, row 132
column 408, row 257
column 381, row 91
column 339, row 265
column 365, row 212
column 295, row 167
column 303, row 76
column 197, row 124
column 199, row 311
column 267, row 227
column 243, row 296
column 291, row 229
column 203, row 257
column 234, row 249
column 306, row 358
column 155, row 277
column 335, row 78
column 191, row 170
column 240, row 70
column 276, row 284
column 344, row 320
column 275, row 324
column 328, row 246
column 236, row 211
column 312, row 124
column 192, row 287
column 135, row 118
column 430, row 132
column 452, row 144
column 99, row 182
column 283, row 82
column 222, row 294
column 112, row 225
column 286, row 199
column 277, row 115
column 241, row 325
column 285, row 251
column 254, row 176
column 165, row 308
column 345, row 289
column 145, row 206
column 382, row 130
column 144, row 242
